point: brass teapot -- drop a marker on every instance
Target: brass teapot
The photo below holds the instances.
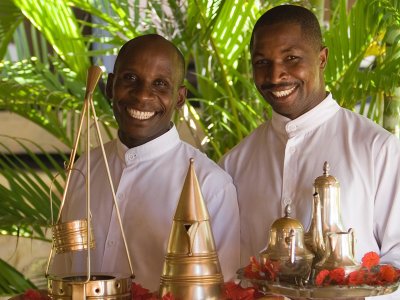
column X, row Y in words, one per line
column 339, row 252
column 328, row 188
column 286, row 252
column 326, row 213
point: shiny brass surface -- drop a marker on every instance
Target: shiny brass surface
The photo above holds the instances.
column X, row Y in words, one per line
column 286, row 250
column 75, row 235
column 310, row 291
column 191, row 267
column 314, row 238
column 100, row 286
column 340, row 252
column 325, row 292
column 328, row 189
column 71, row 236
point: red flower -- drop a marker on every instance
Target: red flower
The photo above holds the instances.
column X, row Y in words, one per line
column 322, row 275
column 32, row 294
column 168, row 296
column 356, row 277
column 253, row 270
column 233, row 291
column 387, row 273
column 370, row 260
column 271, row 269
column 140, row 293
column 337, row 276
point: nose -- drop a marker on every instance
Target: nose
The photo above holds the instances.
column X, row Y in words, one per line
column 276, row 73
column 142, row 92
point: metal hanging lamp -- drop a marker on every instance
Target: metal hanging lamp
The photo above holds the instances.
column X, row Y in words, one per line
column 77, row 235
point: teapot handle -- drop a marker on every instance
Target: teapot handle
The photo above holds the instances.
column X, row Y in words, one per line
column 351, row 233
column 292, row 245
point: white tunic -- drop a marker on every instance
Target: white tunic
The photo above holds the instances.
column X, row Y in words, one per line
column 148, row 181
column 278, row 163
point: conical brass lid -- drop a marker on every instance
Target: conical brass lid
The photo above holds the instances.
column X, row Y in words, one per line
column 191, row 267
column 191, row 230
column 326, row 179
column 191, row 206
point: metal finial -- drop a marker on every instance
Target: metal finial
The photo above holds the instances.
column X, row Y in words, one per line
column 288, row 210
column 326, row 168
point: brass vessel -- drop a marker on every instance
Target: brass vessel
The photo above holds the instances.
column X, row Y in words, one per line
column 326, row 213
column 314, row 238
column 106, row 287
column 328, row 189
column 191, row 267
column 339, row 252
column 286, row 251
column 71, row 236
column 77, row 235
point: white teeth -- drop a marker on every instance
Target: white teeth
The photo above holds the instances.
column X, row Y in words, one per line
column 283, row 93
column 141, row 115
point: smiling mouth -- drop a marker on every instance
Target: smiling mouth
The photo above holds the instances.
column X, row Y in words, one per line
column 284, row 93
column 140, row 115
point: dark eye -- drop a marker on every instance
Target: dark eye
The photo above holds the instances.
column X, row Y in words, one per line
column 160, row 83
column 129, row 76
column 292, row 57
column 261, row 62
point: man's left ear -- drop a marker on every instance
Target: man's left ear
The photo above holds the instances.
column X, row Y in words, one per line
column 182, row 93
column 323, row 57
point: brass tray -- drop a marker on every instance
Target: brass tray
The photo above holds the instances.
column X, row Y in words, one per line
column 312, row 292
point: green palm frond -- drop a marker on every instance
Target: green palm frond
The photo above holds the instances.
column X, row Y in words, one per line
column 26, row 196
column 358, row 34
column 11, row 281
column 58, row 24
column 10, row 18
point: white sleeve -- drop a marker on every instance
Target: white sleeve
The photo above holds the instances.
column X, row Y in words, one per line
column 224, row 215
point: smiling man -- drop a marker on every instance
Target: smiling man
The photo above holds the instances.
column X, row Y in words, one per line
column 148, row 163
column 277, row 164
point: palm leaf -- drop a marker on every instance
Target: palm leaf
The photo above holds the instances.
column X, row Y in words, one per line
column 10, row 18
column 359, row 32
column 25, row 202
column 61, row 31
column 11, row 281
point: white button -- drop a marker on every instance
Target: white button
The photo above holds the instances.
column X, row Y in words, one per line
column 131, row 156
column 287, row 201
column 110, row 243
column 291, row 127
column 120, row 196
column 292, row 150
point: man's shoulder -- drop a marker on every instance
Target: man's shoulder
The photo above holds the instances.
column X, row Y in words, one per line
column 206, row 168
column 110, row 148
column 365, row 128
column 249, row 142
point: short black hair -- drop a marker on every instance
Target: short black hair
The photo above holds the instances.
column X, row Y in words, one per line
column 291, row 14
column 180, row 58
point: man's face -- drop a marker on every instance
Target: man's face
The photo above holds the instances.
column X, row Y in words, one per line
column 145, row 90
column 288, row 69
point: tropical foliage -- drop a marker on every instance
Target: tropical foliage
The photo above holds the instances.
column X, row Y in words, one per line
column 56, row 41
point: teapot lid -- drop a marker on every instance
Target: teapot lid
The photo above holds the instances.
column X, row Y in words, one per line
column 326, row 179
column 286, row 222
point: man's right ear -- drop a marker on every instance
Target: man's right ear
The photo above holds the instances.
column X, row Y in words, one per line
column 109, row 85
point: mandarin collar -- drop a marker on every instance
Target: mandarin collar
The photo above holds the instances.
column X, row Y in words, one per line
column 311, row 119
column 149, row 150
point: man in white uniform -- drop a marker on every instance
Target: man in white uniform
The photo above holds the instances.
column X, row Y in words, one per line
column 277, row 164
column 148, row 164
